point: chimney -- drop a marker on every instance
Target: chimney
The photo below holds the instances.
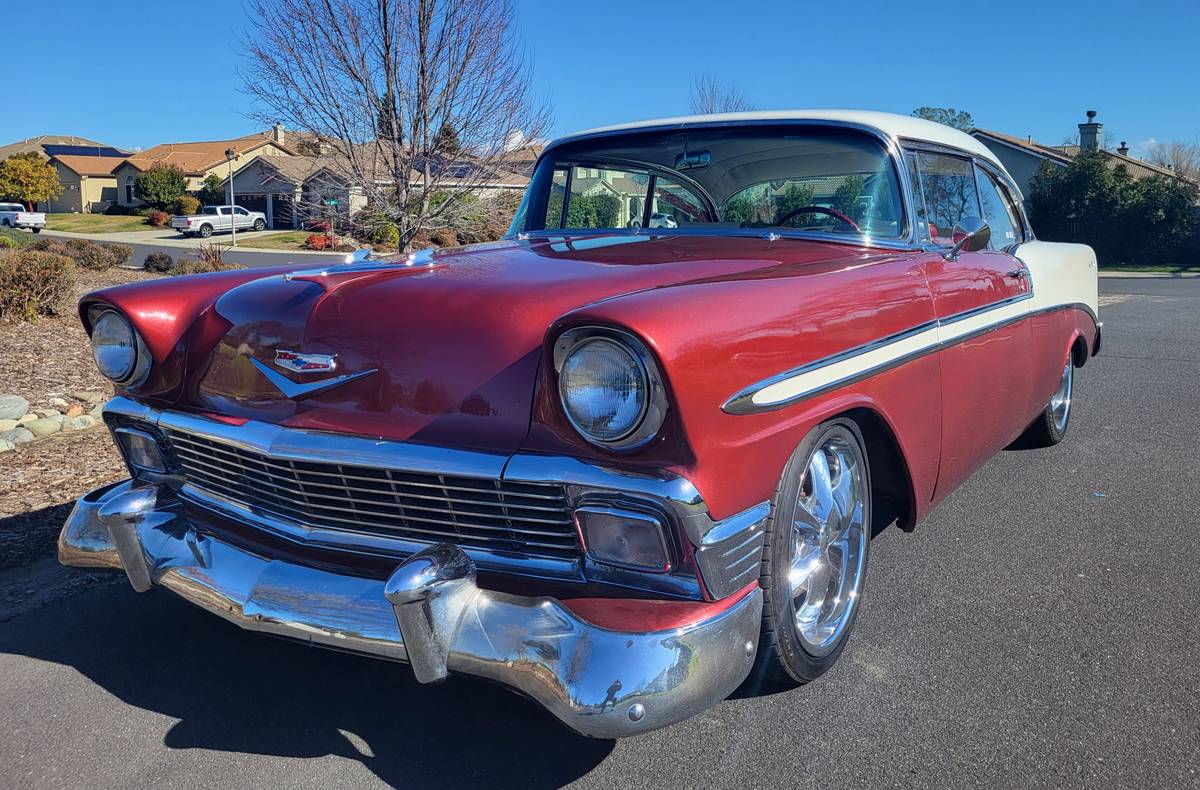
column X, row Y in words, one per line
column 1089, row 133
column 278, row 134
column 1124, row 149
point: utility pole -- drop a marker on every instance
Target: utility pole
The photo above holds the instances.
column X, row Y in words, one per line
column 229, row 156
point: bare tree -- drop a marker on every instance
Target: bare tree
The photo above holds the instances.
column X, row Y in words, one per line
column 416, row 102
column 1183, row 158
column 711, row 94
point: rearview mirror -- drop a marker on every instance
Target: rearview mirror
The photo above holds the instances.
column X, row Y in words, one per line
column 971, row 234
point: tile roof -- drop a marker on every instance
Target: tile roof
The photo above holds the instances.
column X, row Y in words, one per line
column 35, row 144
column 1065, row 153
column 90, row 165
column 196, row 159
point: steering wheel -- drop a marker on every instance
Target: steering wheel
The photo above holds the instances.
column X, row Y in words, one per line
column 832, row 212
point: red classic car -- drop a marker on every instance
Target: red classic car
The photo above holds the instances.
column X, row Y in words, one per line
column 625, row 459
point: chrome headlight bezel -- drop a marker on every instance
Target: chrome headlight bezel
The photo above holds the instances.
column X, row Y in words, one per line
column 653, row 411
column 135, row 373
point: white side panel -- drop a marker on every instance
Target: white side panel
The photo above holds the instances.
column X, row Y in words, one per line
column 1061, row 273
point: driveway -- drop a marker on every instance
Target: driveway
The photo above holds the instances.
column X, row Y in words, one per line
column 1039, row 629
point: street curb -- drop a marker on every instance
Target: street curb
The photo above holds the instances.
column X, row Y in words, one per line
column 107, row 238
column 1149, row 275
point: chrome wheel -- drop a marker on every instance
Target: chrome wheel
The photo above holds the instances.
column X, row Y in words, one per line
column 1060, row 402
column 828, row 543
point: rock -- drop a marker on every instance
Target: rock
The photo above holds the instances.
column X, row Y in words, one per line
column 6, row 445
column 43, row 427
column 58, row 418
column 59, row 403
column 47, row 412
column 79, row 423
column 8, row 425
column 97, row 412
column 87, row 396
column 27, row 418
column 74, row 410
column 13, row 407
column 18, row 435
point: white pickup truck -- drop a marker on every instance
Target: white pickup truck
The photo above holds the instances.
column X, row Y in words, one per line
column 213, row 219
column 14, row 215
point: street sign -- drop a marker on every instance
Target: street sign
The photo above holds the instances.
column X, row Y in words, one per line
column 331, row 201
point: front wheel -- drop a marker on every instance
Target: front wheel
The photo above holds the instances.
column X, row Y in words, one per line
column 815, row 561
column 1051, row 425
column 259, row 224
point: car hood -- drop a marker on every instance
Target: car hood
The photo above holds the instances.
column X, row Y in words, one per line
column 444, row 350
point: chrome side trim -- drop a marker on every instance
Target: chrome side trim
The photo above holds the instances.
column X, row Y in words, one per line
column 430, row 613
column 742, row 402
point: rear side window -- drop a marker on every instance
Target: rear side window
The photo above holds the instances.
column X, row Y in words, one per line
column 947, row 186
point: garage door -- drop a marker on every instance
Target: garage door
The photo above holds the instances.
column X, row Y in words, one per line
column 284, row 213
column 252, row 202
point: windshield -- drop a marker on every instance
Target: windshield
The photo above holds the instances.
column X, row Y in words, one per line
column 788, row 178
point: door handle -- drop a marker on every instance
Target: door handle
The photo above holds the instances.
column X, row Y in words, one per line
column 1019, row 274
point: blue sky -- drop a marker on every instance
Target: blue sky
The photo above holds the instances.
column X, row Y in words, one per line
column 131, row 77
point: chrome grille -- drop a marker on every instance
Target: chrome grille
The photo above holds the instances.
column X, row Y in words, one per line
column 490, row 514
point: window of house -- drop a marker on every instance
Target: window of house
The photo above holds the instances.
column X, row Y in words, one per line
column 129, row 189
column 999, row 211
column 947, row 186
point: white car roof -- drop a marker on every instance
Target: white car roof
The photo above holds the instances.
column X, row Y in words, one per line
column 889, row 124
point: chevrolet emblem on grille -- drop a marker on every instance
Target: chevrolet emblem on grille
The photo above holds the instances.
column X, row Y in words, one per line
column 305, row 363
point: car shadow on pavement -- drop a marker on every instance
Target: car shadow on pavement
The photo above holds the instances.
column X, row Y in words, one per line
column 241, row 692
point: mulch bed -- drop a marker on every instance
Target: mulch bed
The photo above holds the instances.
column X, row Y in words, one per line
column 40, row 481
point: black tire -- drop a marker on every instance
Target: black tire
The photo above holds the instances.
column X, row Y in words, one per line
column 7, row 224
column 205, row 231
column 782, row 658
column 36, row 230
column 1052, row 423
column 259, row 224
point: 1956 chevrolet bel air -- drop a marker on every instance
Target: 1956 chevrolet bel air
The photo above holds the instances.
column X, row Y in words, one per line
column 622, row 461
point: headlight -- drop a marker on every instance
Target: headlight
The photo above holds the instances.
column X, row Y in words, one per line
column 117, row 349
column 609, row 387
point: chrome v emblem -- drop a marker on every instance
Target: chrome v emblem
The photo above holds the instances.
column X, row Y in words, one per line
column 301, row 391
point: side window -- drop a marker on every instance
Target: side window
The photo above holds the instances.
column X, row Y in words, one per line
column 999, row 212
column 948, row 190
column 224, row 210
column 673, row 205
column 601, row 197
column 241, row 212
column 558, row 191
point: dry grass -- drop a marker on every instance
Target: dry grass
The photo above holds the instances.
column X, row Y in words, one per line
column 95, row 223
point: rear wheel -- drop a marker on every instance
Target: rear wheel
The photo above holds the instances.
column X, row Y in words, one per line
column 1051, row 425
column 205, row 231
column 815, row 560
column 36, row 230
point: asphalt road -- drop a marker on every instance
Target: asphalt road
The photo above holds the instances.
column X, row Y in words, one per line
column 1038, row 630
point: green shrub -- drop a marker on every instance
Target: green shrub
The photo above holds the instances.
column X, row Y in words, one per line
column 201, row 267
column 159, row 185
column 117, row 210
column 34, row 283
column 16, row 239
column 185, row 205
column 386, row 236
column 158, row 262
column 7, row 244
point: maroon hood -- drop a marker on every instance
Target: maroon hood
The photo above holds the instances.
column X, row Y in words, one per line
column 455, row 344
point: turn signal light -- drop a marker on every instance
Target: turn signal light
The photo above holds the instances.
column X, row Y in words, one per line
column 623, row 537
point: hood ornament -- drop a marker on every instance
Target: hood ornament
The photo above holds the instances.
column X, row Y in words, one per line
column 305, row 363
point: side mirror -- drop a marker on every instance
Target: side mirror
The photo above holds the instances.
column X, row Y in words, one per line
column 971, row 234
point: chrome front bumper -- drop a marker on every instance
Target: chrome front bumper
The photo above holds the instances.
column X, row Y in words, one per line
column 429, row 613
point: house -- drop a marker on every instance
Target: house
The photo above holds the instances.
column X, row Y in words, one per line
column 197, row 160
column 289, row 189
column 1022, row 157
column 84, row 169
column 89, row 186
